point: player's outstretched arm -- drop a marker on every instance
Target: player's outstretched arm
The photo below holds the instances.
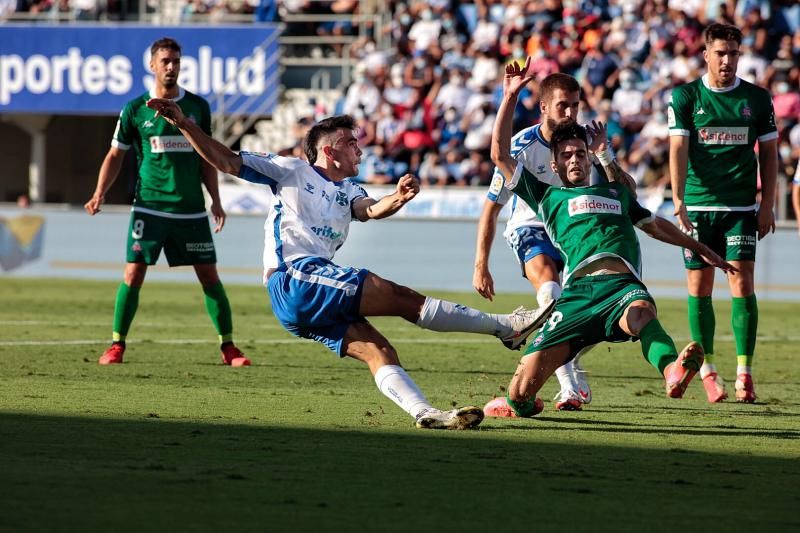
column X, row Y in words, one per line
column 220, row 156
column 678, row 167
column 109, row 171
column 515, row 79
column 665, row 231
column 367, row 208
column 482, row 280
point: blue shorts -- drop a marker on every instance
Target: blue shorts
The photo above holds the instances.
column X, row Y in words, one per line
column 315, row 299
column 529, row 241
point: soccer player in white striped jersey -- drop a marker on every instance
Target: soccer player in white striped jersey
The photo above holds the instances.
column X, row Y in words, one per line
column 312, row 297
column 539, row 260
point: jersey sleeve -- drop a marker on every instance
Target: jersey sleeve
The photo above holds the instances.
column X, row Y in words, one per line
column 766, row 130
column 525, row 185
column 125, row 132
column 639, row 215
column 679, row 113
column 267, row 169
column 498, row 193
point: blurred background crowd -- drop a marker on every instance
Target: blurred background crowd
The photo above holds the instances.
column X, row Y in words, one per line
column 427, row 104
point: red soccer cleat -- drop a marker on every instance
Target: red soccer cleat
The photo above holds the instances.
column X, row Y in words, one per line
column 499, row 407
column 745, row 391
column 680, row 372
column 113, row 355
column 233, row 356
column 715, row 388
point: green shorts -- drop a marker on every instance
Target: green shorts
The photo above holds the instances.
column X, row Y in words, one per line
column 588, row 312
column 186, row 241
column 731, row 234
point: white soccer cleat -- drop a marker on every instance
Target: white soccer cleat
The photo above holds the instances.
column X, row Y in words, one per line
column 568, row 400
column 523, row 322
column 461, row 418
column 579, row 375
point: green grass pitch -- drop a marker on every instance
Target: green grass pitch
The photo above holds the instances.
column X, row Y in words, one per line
column 302, row 441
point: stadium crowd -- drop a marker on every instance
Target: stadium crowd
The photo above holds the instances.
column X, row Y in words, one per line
column 428, row 105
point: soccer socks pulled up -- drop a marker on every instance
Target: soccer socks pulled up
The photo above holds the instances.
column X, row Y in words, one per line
column 657, row 346
column 702, row 324
column 219, row 309
column 397, row 385
column 744, row 321
column 564, row 374
column 441, row 315
column 548, row 291
column 124, row 310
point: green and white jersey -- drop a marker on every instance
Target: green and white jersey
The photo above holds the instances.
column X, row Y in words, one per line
column 586, row 224
column 723, row 126
column 169, row 168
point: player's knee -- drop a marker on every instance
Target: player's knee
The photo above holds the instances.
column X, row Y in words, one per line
column 637, row 316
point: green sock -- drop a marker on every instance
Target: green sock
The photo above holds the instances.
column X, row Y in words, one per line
column 702, row 324
column 524, row 409
column 124, row 310
column 744, row 320
column 219, row 309
column 657, row 346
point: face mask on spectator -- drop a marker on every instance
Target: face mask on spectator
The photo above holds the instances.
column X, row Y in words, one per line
column 450, row 115
column 405, row 19
column 785, row 151
column 427, row 14
column 782, row 87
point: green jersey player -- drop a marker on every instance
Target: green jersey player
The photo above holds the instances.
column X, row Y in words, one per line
column 169, row 207
column 603, row 298
column 714, row 124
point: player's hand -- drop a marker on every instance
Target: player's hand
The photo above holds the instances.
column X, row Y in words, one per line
column 517, row 77
column 219, row 216
column 166, row 108
column 683, row 218
column 598, row 131
column 483, row 283
column 407, row 187
column 93, row 205
column 766, row 222
column 711, row 257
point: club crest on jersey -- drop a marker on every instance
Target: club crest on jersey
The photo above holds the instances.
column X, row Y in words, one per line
column 341, row 198
column 613, row 192
column 590, row 204
column 746, row 111
column 688, row 254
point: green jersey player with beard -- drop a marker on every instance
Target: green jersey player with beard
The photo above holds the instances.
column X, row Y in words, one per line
column 603, row 298
column 714, row 124
column 169, row 208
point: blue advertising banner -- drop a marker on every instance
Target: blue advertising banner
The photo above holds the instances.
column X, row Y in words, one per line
column 91, row 69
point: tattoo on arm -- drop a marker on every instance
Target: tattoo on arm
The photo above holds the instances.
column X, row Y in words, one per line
column 614, row 172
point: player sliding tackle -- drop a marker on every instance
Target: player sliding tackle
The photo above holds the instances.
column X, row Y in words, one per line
column 604, row 298
column 314, row 298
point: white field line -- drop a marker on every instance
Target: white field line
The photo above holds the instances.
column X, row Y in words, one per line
column 449, row 340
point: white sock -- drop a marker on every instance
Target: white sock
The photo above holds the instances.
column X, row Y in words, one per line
column 741, row 369
column 398, row 386
column 441, row 315
column 706, row 369
column 549, row 291
column 564, row 375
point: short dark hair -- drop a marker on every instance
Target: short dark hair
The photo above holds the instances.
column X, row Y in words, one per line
column 559, row 80
column 323, row 128
column 566, row 132
column 722, row 32
column 165, row 43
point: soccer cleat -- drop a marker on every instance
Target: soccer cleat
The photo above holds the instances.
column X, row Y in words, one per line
column 523, row 322
column 461, row 418
column 233, row 356
column 568, row 400
column 680, row 372
column 113, row 355
column 579, row 376
column 745, row 391
column 715, row 388
column 499, row 407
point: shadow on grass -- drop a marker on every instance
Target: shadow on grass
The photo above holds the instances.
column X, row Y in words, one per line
column 87, row 474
